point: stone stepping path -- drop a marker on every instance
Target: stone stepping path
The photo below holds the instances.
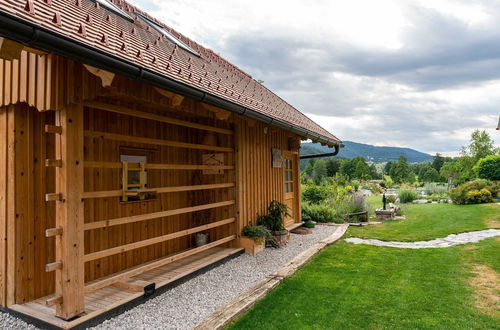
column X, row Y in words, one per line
column 450, row 240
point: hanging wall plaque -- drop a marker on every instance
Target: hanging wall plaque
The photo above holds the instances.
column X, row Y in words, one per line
column 277, row 159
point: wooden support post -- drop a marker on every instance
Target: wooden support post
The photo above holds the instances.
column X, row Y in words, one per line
column 125, row 181
column 3, row 203
column 69, row 213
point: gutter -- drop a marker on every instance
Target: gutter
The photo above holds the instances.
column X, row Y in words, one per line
column 36, row 36
column 328, row 154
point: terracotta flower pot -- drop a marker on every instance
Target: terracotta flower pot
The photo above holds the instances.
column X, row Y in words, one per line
column 281, row 236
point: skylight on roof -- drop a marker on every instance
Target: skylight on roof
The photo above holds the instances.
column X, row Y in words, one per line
column 168, row 35
column 114, row 8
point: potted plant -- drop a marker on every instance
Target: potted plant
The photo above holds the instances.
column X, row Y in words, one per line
column 274, row 221
column 254, row 239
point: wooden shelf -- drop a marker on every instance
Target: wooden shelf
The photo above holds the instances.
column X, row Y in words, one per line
column 105, row 299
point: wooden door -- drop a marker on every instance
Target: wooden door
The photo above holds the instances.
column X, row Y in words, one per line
column 289, row 187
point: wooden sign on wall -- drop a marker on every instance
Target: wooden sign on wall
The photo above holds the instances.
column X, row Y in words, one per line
column 277, row 158
column 213, row 160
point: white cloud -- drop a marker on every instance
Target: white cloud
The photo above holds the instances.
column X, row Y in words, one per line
column 421, row 74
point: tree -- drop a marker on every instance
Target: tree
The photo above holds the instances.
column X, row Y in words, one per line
column 361, row 169
column 319, row 171
column 429, row 174
column 438, row 162
column 481, row 145
column 387, row 168
column 308, row 169
column 401, row 172
column 488, row 168
column 450, row 170
column 348, row 167
column 332, row 167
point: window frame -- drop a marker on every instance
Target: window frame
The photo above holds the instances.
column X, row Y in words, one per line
column 114, row 9
column 167, row 34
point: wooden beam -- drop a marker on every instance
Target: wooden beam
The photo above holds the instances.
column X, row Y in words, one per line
column 53, row 232
column 51, row 197
column 145, row 115
column 53, row 266
column 155, row 240
column 69, row 212
column 163, row 190
column 220, row 113
column 137, row 139
column 114, row 278
column 133, row 285
column 56, row 300
column 53, row 163
column 106, row 76
column 175, row 99
column 11, row 210
column 51, row 129
column 131, row 166
column 10, row 50
column 156, row 215
column 4, row 156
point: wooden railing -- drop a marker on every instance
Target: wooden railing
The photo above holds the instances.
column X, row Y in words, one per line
column 69, row 196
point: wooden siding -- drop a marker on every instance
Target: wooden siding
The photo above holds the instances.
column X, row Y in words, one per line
column 258, row 182
column 135, row 112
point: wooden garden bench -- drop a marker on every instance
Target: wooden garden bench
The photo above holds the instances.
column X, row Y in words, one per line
column 363, row 216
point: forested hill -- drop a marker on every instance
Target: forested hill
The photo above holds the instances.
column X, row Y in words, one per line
column 370, row 152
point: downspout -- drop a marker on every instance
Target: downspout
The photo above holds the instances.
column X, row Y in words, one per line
column 330, row 154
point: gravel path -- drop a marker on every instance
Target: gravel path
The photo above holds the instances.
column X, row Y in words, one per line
column 450, row 240
column 186, row 305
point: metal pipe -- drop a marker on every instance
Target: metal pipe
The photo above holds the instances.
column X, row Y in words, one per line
column 330, row 154
column 35, row 36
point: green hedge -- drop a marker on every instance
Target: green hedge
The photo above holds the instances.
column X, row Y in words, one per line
column 474, row 192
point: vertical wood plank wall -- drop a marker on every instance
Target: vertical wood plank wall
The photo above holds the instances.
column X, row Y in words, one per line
column 24, row 146
column 259, row 183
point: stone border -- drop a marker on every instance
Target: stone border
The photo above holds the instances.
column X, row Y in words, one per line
column 355, row 224
column 444, row 242
column 238, row 306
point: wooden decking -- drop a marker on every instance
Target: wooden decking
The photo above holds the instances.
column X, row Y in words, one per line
column 110, row 297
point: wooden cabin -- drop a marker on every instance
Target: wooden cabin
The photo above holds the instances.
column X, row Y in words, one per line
column 120, row 140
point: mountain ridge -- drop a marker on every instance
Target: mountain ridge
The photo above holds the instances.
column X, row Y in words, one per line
column 377, row 154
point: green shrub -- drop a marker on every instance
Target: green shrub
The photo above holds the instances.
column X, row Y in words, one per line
column 488, row 168
column 258, row 233
column 407, row 196
column 314, row 194
column 320, row 213
column 474, row 192
column 274, row 219
column 391, row 198
column 309, row 224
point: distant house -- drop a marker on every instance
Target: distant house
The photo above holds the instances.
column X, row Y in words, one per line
column 120, row 140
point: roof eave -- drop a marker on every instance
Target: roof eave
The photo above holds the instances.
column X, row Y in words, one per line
column 36, row 36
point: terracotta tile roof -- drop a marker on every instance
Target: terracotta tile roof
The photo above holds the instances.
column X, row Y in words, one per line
column 136, row 41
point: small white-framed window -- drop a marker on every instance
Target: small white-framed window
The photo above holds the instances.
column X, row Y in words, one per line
column 167, row 34
column 114, row 8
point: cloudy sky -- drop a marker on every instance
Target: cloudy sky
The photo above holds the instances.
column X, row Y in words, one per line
column 422, row 74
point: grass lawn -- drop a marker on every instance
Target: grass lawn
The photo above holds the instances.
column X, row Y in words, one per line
column 429, row 221
column 351, row 286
